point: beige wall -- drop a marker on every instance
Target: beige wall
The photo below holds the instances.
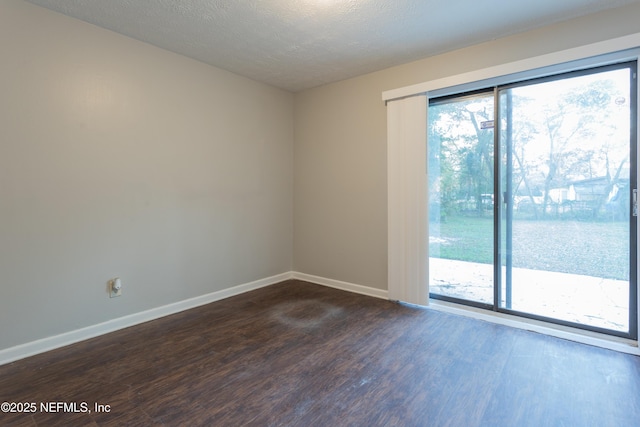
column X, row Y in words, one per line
column 340, row 194
column 121, row 159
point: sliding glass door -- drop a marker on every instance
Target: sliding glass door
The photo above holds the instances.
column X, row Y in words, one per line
column 547, row 231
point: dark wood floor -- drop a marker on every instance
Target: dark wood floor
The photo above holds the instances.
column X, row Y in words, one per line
column 297, row 354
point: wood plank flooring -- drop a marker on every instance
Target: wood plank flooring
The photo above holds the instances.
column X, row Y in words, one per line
column 298, row 354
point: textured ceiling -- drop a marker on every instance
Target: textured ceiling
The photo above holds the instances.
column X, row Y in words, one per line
column 299, row 44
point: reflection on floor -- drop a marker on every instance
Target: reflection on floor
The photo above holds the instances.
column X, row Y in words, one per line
column 592, row 301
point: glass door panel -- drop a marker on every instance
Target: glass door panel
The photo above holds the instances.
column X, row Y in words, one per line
column 567, row 146
column 461, row 194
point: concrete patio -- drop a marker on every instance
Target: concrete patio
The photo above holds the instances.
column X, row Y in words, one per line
column 592, row 301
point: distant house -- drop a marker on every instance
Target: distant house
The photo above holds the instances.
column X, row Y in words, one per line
column 592, row 197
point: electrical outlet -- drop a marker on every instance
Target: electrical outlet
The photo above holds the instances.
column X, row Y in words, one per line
column 115, row 287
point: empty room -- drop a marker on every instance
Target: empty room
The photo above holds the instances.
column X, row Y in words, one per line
column 319, row 213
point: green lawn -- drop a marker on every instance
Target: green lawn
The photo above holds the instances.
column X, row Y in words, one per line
column 599, row 249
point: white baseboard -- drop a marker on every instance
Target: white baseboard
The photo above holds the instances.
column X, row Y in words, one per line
column 345, row 286
column 50, row 343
